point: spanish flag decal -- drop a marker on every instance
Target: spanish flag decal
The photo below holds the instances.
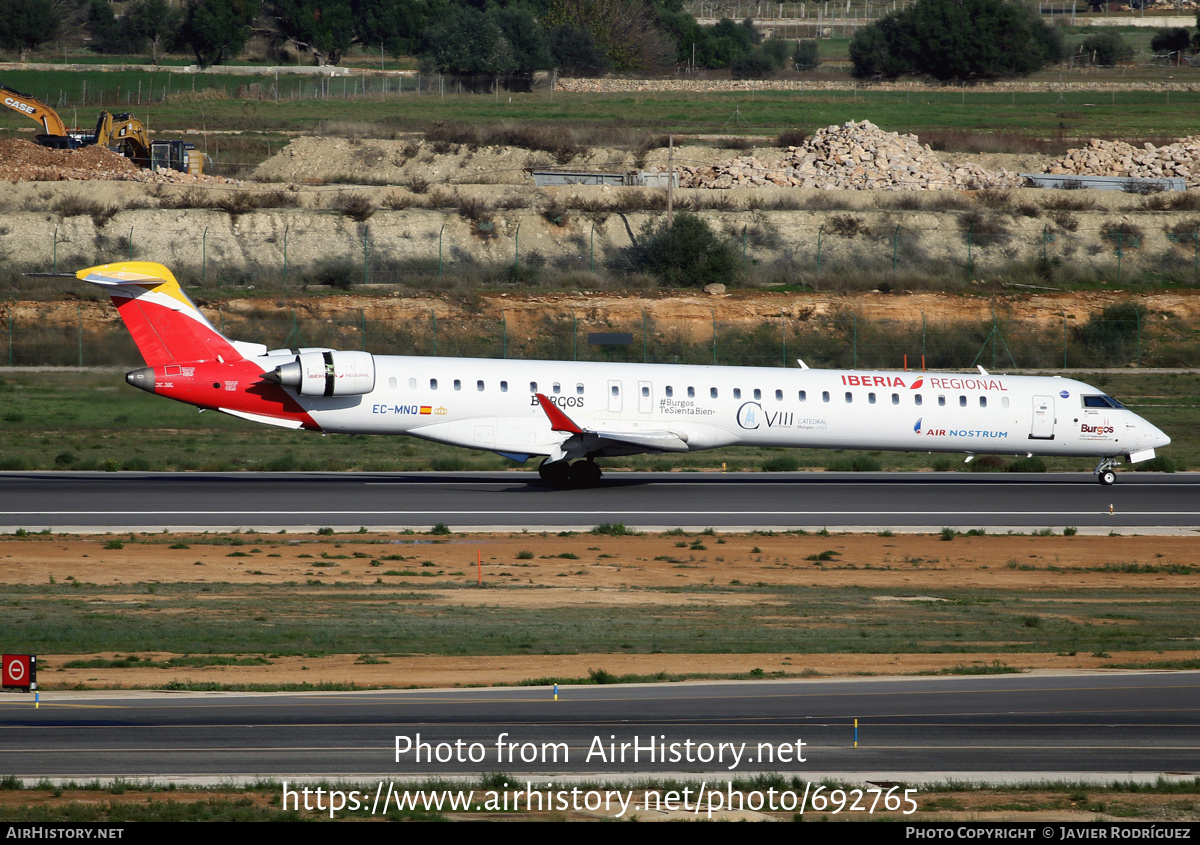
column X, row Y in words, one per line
column 426, row 409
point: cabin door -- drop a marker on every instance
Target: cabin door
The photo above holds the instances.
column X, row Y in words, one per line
column 614, row 397
column 645, row 397
column 1043, row 418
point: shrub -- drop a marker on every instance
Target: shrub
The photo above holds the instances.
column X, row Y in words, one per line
column 1106, row 48
column 1111, row 335
column 358, row 207
column 1122, row 235
column 807, row 55
column 781, row 463
column 689, row 254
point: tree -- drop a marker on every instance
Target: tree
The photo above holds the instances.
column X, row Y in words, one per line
column 628, row 31
column 807, row 55
column 324, row 28
column 689, row 254
column 499, row 42
column 27, row 24
column 146, row 22
column 1171, row 39
column 217, row 29
column 1106, row 48
column 575, row 52
column 956, row 40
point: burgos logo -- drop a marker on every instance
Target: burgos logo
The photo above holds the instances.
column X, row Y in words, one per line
column 1096, row 429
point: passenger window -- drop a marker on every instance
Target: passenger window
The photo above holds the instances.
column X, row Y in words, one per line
column 691, row 393
column 479, row 385
column 737, row 393
column 871, row 398
column 824, row 395
column 849, row 397
column 533, row 387
column 412, row 384
column 895, row 398
column 941, row 401
column 712, row 392
column 670, row 391
column 757, row 393
column 962, row 401
column 579, row 388
column 803, row 394
column 982, row 401
column 433, row 384
column 645, row 392
column 1003, row 401
column 392, row 382
column 616, row 391
column 457, row 384
column 778, row 395
column 504, row 387
column 557, row 388
column 917, row 400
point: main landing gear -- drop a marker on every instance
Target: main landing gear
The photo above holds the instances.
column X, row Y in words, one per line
column 579, row 474
column 1104, row 472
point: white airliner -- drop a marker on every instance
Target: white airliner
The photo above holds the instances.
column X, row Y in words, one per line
column 575, row 412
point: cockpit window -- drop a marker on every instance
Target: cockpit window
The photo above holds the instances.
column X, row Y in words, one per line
column 1101, row 402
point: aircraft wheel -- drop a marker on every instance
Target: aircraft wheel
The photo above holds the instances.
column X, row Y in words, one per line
column 585, row 472
column 555, row 472
column 1107, row 477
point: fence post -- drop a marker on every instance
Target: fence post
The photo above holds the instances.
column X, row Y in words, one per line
column 10, row 336
column 516, row 246
column 285, row 267
column 130, row 243
column 79, row 316
column 204, row 256
column 55, row 249
column 1138, row 313
column 783, row 336
column 574, row 336
column 644, row 358
column 1120, row 252
column 743, row 249
column 1064, row 322
column 440, row 249
column 819, row 231
column 503, row 335
column 854, row 317
column 970, row 260
column 895, row 240
column 592, row 251
column 433, row 316
column 714, row 322
column 366, row 254
column 362, row 320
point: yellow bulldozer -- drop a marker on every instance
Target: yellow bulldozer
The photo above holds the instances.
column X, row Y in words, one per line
column 121, row 133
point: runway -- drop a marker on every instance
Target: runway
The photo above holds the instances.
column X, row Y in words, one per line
column 518, row 500
column 1113, row 723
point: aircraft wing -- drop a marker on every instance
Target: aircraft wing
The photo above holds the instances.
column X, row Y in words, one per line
column 585, row 440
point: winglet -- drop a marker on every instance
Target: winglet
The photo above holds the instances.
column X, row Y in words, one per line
column 558, row 420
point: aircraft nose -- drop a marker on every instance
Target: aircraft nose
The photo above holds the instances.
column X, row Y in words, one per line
column 1158, row 439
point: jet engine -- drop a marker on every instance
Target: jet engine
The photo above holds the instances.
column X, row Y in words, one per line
column 327, row 373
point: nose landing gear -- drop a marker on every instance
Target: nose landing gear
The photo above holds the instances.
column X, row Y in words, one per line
column 1104, row 472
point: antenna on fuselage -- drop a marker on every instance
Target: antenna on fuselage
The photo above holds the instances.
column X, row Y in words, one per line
column 803, row 365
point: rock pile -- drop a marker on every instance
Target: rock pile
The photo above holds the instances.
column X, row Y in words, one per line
column 23, row 161
column 854, row 156
column 1116, row 158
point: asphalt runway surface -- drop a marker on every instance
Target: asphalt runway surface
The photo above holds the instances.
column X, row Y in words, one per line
column 518, row 500
column 1121, row 724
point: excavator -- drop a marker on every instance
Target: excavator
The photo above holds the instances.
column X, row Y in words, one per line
column 122, row 133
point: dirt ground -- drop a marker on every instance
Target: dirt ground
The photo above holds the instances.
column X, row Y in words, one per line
column 607, row 571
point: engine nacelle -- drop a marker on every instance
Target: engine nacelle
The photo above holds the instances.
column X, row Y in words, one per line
column 328, row 373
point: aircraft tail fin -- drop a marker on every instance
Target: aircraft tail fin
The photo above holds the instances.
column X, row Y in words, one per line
column 164, row 322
